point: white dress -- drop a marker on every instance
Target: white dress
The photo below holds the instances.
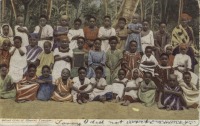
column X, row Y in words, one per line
column 77, row 84
column 147, row 40
column 96, row 92
column 71, row 34
column 133, row 83
column 47, row 31
column 182, row 61
column 146, row 68
column 61, row 64
column 118, row 88
column 17, row 64
column 24, row 36
column 103, row 32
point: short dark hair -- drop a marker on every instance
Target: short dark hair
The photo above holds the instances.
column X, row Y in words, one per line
column 17, row 37
column 78, row 20
column 46, row 66
column 122, row 19
column 107, row 16
column 113, row 38
column 122, row 70
column 81, row 37
column 97, row 39
column 148, row 73
column 164, row 54
column 43, row 16
column 3, row 65
column 145, row 21
column 133, row 41
column 162, row 22
column 90, row 17
column 48, row 42
column 32, row 66
column 148, row 47
column 187, row 73
column 82, row 68
column 99, row 68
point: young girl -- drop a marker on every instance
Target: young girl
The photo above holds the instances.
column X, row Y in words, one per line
column 101, row 91
column 75, row 33
column 22, row 31
column 168, row 50
column 118, row 85
column 27, row 88
column 44, row 30
column 148, row 61
column 113, row 60
column 46, row 87
column 147, row 90
column 91, row 33
column 190, row 91
column 81, row 50
column 122, row 33
column 63, row 28
column 96, row 58
column 4, row 52
column 146, row 36
column 7, row 89
column 134, row 31
column 182, row 62
column 33, row 50
column 81, row 87
column 6, row 33
column 172, row 98
column 105, row 33
column 131, row 89
column 63, row 87
column 45, row 58
column 18, row 60
column 62, row 58
column 131, row 59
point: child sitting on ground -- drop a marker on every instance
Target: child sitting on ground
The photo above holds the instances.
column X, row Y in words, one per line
column 101, row 91
column 81, row 88
column 131, row 89
column 118, row 85
column 46, row 87
column 147, row 90
column 4, row 52
column 172, row 97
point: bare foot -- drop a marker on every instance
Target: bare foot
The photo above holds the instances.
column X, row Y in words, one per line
column 84, row 100
column 127, row 103
column 79, row 101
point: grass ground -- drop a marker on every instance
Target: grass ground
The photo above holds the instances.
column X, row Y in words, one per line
column 92, row 110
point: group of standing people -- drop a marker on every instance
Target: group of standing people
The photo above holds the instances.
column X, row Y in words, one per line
column 129, row 63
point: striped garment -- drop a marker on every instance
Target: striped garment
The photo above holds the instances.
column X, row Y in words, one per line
column 62, row 91
column 172, row 101
column 27, row 89
column 32, row 53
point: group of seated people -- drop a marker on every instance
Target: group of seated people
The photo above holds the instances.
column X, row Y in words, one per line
column 121, row 65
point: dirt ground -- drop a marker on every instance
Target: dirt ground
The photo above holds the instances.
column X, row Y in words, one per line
column 92, row 110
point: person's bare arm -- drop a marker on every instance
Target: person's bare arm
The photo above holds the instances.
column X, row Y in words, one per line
column 12, row 52
column 21, row 52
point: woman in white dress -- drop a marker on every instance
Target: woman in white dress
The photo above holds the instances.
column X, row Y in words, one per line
column 74, row 33
column 147, row 38
column 62, row 58
column 18, row 60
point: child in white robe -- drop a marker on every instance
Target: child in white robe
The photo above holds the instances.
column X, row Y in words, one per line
column 118, row 85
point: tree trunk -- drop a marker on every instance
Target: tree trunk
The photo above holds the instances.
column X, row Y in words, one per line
column 13, row 8
column 127, row 9
column 49, row 7
column 105, row 6
column 152, row 14
column 180, row 10
column 142, row 10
